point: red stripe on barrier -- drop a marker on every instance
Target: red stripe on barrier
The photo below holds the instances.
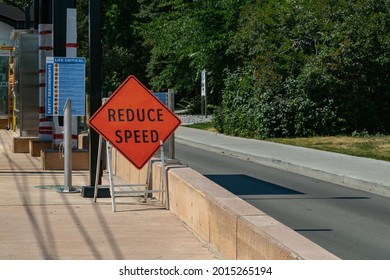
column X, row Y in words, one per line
column 61, row 136
column 71, row 45
column 45, row 48
column 45, row 132
column 44, row 32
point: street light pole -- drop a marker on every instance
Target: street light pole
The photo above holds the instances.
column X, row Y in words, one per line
column 95, row 80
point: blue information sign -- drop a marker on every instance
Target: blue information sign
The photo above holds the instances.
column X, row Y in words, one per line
column 162, row 96
column 65, row 79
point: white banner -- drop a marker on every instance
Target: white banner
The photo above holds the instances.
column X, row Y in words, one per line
column 157, row 269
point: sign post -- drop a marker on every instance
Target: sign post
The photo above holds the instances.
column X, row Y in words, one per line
column 203, row 89
column 68, row 147
column 171, row 140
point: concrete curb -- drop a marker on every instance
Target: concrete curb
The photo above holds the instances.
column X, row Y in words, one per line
column 337, row 178
column 233, row 227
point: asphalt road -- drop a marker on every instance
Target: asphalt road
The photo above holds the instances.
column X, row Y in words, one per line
column 349, row 223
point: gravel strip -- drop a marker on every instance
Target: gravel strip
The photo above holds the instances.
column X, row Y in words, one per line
column 191, row 119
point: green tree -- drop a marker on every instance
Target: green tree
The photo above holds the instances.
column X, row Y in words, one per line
column 185, row 37
column 122, row 50
column 20, row 3
column 316, row 67
column 123, row 53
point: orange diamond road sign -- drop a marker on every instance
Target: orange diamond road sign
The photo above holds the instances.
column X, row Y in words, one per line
column 134, row 121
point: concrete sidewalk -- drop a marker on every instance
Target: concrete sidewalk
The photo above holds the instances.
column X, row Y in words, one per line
column 39, row 223
column 355, row 172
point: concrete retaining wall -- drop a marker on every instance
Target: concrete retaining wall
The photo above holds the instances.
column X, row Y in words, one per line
column 233, row 227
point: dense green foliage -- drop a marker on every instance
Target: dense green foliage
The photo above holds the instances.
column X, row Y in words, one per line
column 310, row 67
column 123, row 53
column 276, row 68
column 19, row 3
column 185, row 37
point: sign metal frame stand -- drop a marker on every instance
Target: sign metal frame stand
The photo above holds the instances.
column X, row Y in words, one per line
column 156, row 122
column 164, row 185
